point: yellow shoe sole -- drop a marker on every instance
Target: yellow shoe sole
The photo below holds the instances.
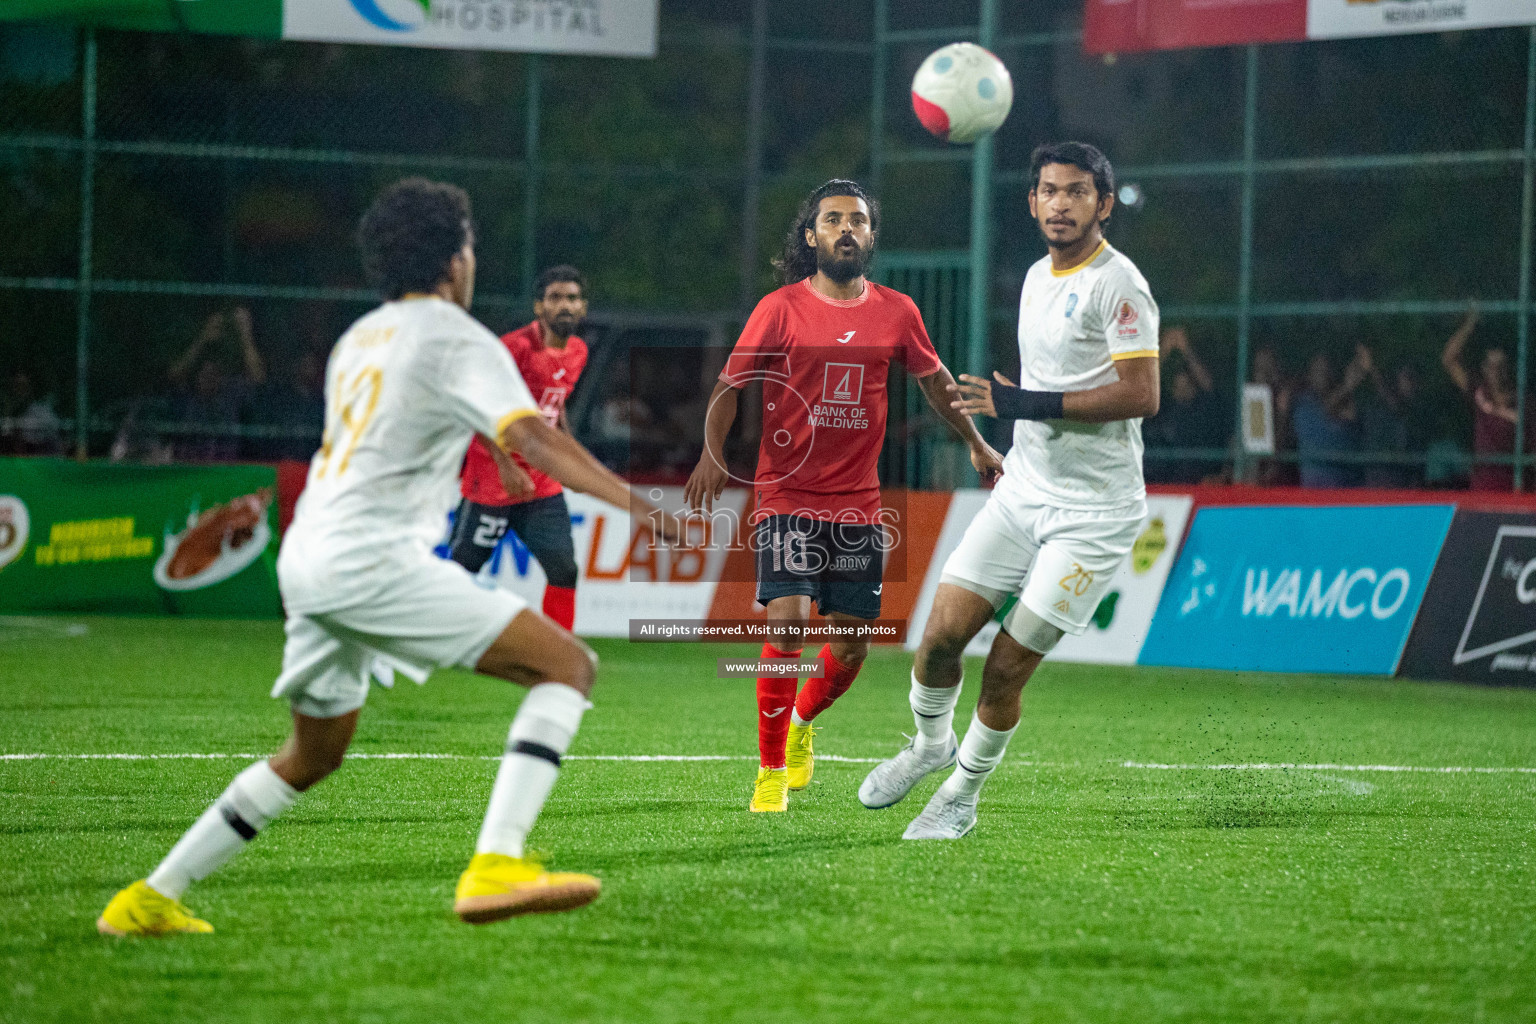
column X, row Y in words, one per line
column 533, row 899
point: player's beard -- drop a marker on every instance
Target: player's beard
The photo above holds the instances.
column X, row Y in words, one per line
column 840, row 268
column 563, row 325
column 1066, row 243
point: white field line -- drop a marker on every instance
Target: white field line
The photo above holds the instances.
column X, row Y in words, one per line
column 1142, row 765
column 1264, row 766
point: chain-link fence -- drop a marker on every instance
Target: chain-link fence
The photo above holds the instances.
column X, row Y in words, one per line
column 1316, row 216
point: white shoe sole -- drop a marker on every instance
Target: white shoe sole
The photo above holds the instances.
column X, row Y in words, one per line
column 962, row 835
column 953, row 757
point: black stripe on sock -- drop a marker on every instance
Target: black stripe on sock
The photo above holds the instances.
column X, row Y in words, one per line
column 244, row 829
column 973, row 771
column 536, row 750
column 941, row 714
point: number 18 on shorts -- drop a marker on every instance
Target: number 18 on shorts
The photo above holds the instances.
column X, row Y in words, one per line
column 839, row 565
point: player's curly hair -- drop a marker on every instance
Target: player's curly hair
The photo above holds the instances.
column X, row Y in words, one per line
column 798, row 260
column 410, row 233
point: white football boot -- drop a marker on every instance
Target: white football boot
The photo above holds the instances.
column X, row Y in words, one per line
column 891, row 780
column 945, row 817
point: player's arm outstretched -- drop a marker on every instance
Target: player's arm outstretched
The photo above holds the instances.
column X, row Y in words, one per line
column 710, row 477
column 514, row 480
column 937, row 388
column 1135, row 395
column 562, row 457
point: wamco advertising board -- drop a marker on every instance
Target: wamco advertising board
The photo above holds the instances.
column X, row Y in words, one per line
column 1297, row 589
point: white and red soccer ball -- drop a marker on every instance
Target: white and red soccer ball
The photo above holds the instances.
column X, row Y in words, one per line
column 962, row 92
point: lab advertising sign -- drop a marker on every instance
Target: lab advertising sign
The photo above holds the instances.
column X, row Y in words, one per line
column 1298, row 588
column 1479, row 618
column 199, row 540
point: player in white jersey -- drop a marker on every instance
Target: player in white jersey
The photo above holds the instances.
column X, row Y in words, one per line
column 1071, row 500
column 407, row 386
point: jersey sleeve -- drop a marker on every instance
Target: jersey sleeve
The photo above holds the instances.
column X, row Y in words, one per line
column 759, row 351
column 482, row 386
column 917, row 352
column 1129, row 317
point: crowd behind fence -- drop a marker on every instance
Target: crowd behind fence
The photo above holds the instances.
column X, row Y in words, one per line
column 178, row 255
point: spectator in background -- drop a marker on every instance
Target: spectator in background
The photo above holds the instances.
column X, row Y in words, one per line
column 1326, row 420
column 28, row 424
column 295, row 406
column 206, row 399
column 1266, row 371
column 1388, row 425
column 1492, row 393
column 1191, row 417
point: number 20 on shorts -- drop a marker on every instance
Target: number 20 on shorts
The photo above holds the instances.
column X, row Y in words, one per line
column 1077, row 581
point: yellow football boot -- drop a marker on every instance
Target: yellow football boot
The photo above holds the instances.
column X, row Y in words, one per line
column 799, row 758
column 496, row 886
column 139, row 910
column 771, row 791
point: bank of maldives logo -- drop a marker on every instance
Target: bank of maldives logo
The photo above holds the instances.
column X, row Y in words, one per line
column 394, row 15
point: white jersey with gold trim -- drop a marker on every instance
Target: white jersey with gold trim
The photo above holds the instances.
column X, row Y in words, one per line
column 1073, row 327
column 406, row 388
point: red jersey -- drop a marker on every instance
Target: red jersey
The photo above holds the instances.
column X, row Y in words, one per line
column 551, row 374
column 823, row 364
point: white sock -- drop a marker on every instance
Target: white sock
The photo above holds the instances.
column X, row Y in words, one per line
column 980, row 752
column 254, row 798
column 541, row 733
column 794, row 717
column 933, row 709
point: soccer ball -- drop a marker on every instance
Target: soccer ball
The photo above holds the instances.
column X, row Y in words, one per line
column 962, row 92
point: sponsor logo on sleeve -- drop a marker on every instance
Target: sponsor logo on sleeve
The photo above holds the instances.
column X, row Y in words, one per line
column 1126, row 317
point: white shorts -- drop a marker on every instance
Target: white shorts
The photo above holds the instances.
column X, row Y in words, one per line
column 431, row 616
column 1060, row 561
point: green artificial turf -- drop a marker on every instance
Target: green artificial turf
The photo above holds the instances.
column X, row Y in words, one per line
column 1089, row 891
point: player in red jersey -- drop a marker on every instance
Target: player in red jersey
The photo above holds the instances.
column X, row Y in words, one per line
column 822, row 347
column 550, row 357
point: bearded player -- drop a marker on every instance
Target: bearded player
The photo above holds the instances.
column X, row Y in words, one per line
column 821, row 346
column 407, row 386
column 1071, row 500
column 550, row 357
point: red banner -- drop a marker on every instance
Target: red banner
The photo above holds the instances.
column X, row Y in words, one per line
column 1120, row 26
